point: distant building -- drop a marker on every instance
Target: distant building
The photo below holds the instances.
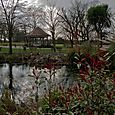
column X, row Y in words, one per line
column 37, row 37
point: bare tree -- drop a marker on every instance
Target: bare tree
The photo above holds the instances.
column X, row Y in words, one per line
column 33, row 15
column 3, row 29
column 74, row 22
column 51, row 21
column 9, row 8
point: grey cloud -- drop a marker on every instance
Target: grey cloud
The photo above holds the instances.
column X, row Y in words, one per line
column 67, row 3
column 111, row 3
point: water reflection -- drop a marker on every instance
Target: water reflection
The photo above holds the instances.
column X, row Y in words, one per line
column 17, row 78
column 10, row 77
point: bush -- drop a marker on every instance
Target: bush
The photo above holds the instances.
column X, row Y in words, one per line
column 111, row 56
column 92, row 94
column 88, row 47
column 9, row 107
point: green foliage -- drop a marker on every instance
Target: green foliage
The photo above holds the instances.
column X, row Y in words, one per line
column 111, row 49
column 6, row 104
column 99, row 16
column 73, row 65
column 93, row 92
column 75, row 56
column 88, row 47
column 93, row 95
column 9, row 107
column 111, row 56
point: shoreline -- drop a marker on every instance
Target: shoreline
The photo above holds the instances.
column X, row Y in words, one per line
column 33, row 59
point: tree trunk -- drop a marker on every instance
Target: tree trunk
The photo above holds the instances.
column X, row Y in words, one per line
column 101, row 37
column 87, row 34
column 71, row 43
column 71, row 40
column 53, row 40
column 10, row 40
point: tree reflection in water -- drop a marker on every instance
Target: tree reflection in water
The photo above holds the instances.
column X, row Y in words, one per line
column 11, row 80
column 10, row 77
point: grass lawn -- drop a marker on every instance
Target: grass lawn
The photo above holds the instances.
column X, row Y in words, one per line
column 13, row 43
column 19, row 48
column 33, row 50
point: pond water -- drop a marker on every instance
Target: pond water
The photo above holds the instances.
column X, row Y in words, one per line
column 19, row 78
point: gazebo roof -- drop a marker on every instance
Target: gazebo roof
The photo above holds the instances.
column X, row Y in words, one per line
column 37, row 33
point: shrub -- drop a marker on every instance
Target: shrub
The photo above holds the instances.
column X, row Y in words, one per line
column 111, row 56
column 92, row 94
column 88, row 47
column 9, row 107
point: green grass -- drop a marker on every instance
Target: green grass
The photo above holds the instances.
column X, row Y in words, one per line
column 18, row 50
column 22, row 44
column 14, row 43
column 33, row 50
column 59, row 45
column 60, row 48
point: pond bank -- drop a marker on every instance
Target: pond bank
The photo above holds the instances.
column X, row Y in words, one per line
column 34, row 58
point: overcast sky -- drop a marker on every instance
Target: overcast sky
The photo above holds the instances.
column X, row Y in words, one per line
column 111, row 3
column 67, row 3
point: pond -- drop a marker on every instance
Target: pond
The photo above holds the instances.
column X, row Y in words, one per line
column 20, row 79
